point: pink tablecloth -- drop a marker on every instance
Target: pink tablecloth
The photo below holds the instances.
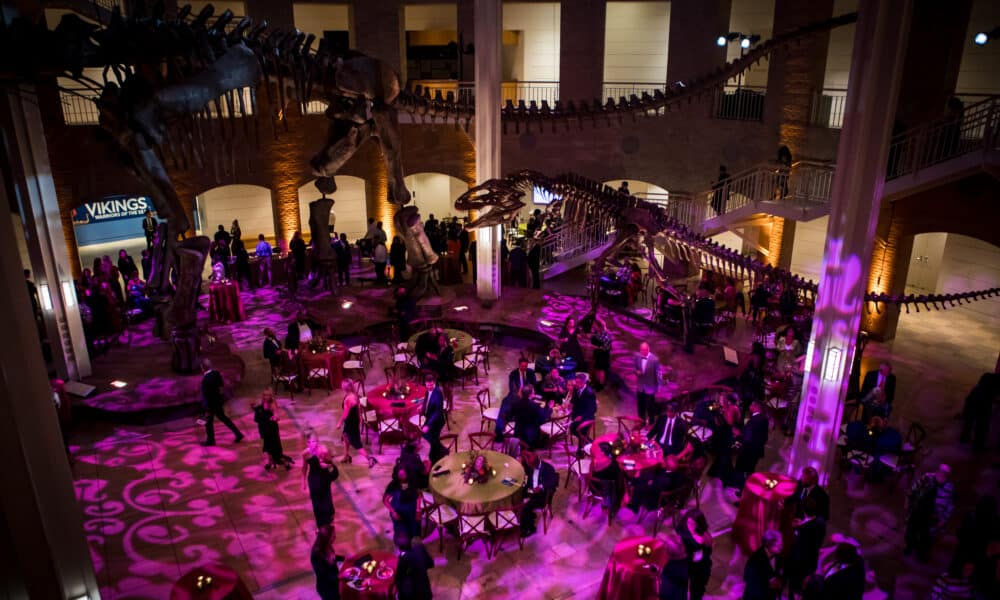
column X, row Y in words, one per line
column 641, row 460
column 225, row 585
column 375, row 588
column 332, row 361
column 626, row 577
column 224, row 302
column 762, row 508
column 405, row 407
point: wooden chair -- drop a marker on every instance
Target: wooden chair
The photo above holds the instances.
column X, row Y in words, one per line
column 466, row 368
column 320, row 373
column 438, row 516
column 402, row 372
column 369, row 417
column 594, row 495
column 487, row 414
column 578, row 469
column 556, row 430
column 671, row 503
column 482, row 353
column 472, row 527
column 285, row 373
column 506, row 520
column 361, row 351
column 450, row 441
column 481, row 441
column 585, row 431
column 628, row 424
column 389, row 426
column 905, row 463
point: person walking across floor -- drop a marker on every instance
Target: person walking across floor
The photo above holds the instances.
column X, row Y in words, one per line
column 647, row 373
column 264, row 253
column 434, row 417
column 928, row 507
column 412, row 582
column 266, row 417
column 753, row 440
column 318, row 475
column 213, row 399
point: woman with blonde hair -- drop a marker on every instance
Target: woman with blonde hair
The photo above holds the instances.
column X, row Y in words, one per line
column 266, row 417
column 350, row 426
column 318, row 474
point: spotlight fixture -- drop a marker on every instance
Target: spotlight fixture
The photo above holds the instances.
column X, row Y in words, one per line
column 983, row 37
column 749, row 40
column 346, row 304
column 722, row 40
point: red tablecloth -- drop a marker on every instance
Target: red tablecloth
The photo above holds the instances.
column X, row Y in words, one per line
column 332, row 361
column 383, row 404
column 626, row 576
column 375, row 588
column 762, row 508
column 225, row 585
column 601, row 461
column 224, row 302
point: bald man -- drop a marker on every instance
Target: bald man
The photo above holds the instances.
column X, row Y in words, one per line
column 647, row 374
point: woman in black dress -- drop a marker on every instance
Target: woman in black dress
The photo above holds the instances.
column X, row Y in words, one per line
column 569, row 343
column 401, row 499
column 267, row 426
column 602, row 352
column 693, row 529
column 318, row 474
column 298, row 248
column 324, row 564
column 674, row 577
column 350, row 425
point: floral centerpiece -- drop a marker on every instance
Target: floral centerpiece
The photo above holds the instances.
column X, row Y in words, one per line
column 317, row 345
column 627, row 444
column 477, row 470
column 397, row 389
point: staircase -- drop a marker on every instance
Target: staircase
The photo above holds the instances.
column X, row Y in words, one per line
column 568, row 246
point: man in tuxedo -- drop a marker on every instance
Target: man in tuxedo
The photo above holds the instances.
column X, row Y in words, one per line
column 222, row 235
column 528, row 417
column 412, row 565
column 669, row 431
column 542, row 481
column 434, row 418
column 878, row 391
column 764, row 569
column 521, row 376
column 583, row 403
column 301, row 331
column 810, row 532
column 808, row 489
column 212, row 401
column 149, row 228
column 647, row 373
column 752, row 443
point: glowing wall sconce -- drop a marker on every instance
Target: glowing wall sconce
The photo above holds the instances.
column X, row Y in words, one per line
column 69, row 294
column 833, row 365
column 45, row 296
column 118, row 384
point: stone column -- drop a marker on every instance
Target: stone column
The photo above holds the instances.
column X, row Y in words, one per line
column 489, row 31
column 377, row 29
column 43, row 550
column 876, row 71
column 581, row 49
column 43, row 224
column 694, row 25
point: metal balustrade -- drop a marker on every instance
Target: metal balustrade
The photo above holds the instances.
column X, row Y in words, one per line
column 828, row 108
column 618, row 89
column 743, row 103
column 974, row 129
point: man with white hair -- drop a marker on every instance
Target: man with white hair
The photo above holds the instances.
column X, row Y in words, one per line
column 928, row 507
column 647, row 381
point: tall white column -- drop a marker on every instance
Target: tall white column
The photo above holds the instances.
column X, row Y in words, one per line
column 489, row 29
column 40, row 211
column 876, row 72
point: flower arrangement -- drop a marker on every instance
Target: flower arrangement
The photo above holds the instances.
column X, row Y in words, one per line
column 477, row 470
column 627, row 445
column 317, row 345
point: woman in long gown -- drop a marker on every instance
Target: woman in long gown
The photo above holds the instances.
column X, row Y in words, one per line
column 324, row 564
column 318, row 474
column 674, row 576
column 401, row 499
column 264, row 414
column 693, row 529
column 350, row 426
column 569, row 343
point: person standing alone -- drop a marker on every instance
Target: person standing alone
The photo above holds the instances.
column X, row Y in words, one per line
column 212, row 401
column 264, row 256
column 647, row 373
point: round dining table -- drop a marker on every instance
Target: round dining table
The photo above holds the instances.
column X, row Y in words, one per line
column 224, row 304
column 214, row 581
column 762, row 507
column 332, row 360
column 631, row 463
column 629, row 576
column 462, row 346
column 402, row 406
column 357, row 584
column 500, row 492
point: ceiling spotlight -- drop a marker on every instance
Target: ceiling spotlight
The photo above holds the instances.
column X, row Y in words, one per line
column 981, row 38
column 745, row 43
column 346, row 304
column 748, row 40
column 721, row 40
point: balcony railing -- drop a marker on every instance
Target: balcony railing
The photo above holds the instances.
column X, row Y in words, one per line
column 975, row 128
column 79, row 104
column 617, row 89
column 828, row 108
column 743, row 103
column 568, row 241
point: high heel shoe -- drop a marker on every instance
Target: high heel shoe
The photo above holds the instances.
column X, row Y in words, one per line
column 372, row 462
column 346, row 460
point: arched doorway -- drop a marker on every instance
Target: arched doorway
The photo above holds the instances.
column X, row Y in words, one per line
column 435, row 194
column 350, row 210
column 250, row 204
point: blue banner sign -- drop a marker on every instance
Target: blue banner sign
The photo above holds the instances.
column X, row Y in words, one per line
column 111, row 208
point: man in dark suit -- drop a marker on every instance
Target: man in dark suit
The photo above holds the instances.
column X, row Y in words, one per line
column 222, row 235
column 149, row 228
column 808, row 488
column 521, row 376
column 878, row 391
column 584, row 408
column 506, row 413
column 542, row 481
column 647, row 381
column 528, row 417
column 301, row 331
column 810, row 532
column 752, row 443
column 212, row 401
column 434, row 418
column 669, row 431
column 842, row 576
column 764, row 569
column 411, row 579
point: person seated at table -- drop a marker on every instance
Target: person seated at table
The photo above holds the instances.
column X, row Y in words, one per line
column 411, row 580
column 541, row 482
column 528, row 417
column 808, row 488
column 301, row 331
column 810, row 531
column 505, row 413
column 545, row 364
column 753, row 440
column 417, row 468
column 400, row 498
column 521, row 376
column 554, row 387
column 669, row 431
column 878, row 391
column 840, row 577
column 789, row 350
column 444, row 361
column 272, row 348
column 137, row 299
column 703, row 313
column 350, row 426
column 764, row 570
column 583, row 404
column 324, row 563
column 427, row 348
column 569, row 343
